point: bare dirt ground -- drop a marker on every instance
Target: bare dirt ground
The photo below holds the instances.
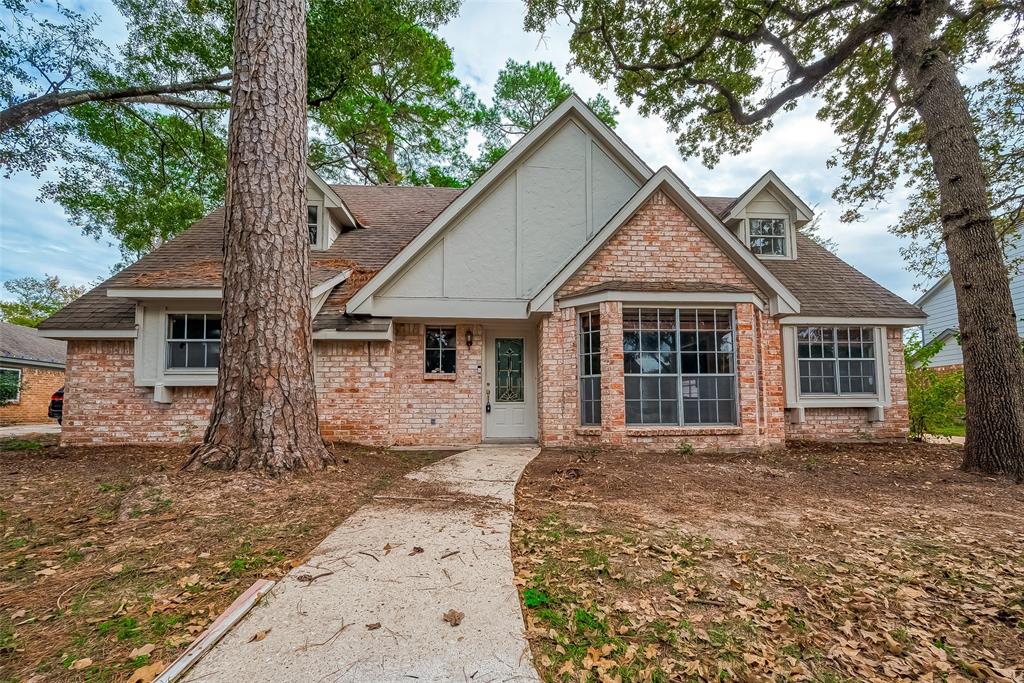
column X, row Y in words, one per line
column 112, row 559
column 821, row 563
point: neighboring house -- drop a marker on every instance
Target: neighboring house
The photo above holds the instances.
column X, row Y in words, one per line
column 571, row 295
column 36, row 364
column 939, row 303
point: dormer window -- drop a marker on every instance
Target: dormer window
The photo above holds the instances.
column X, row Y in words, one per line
column 313, row 223
column 768, row 236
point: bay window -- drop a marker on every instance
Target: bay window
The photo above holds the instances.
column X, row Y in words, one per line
column 590, row 368
column 836, row 361
column 680, row 366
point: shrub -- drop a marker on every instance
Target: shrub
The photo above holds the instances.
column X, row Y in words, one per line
column 936, row 397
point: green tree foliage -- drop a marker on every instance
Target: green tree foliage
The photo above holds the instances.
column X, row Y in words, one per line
column 384, row 106
column 36, row 299
column 936, row 398
column 524, row 93
column 10, row 384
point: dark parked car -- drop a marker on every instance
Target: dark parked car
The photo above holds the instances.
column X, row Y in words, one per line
column 57, row 405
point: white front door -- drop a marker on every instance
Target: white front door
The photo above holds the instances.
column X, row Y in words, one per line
column 510, row 387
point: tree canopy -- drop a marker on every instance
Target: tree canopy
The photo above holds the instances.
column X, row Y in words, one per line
column 36, row 299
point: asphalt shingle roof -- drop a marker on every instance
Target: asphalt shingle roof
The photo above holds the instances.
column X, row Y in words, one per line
column 19, row 343
column 392, row 217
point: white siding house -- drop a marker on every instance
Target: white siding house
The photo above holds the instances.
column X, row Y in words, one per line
column 939, row 303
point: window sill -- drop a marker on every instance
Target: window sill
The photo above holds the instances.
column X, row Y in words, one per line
column 440, row 376
column 695, row 430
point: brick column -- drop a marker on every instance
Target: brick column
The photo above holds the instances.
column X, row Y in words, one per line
column 613, row 390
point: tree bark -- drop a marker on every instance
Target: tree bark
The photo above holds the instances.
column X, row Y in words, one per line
column 265, row 416
column 993, row 362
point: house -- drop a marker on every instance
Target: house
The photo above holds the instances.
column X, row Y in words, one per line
column 572, row 295
column 939, row 304
column 35, row 365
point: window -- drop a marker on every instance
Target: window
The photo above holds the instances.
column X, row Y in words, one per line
column 768, row 236
column 680, row 366
column 590, row 368
column 439, row 350
column 836, row 360
column 313, row 223
column 10, row 385
column 193, row 340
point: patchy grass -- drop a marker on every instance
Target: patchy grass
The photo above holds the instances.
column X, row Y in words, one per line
column 104, row 551
column 817, row 563
column 20, row 445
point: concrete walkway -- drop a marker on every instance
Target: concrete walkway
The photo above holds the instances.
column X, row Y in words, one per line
column 437, row 541
column 12, row 431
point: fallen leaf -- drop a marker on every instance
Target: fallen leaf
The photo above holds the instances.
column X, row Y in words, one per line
column 259, row 635
column 453, row 617
column 416, row 550
column 49, row 571
column 143, row 651
column 116, row 569
column 145, row 674
column 80, row 664
column 373, row 627
column 18, row 614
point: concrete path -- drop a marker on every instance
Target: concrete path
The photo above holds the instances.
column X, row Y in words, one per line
column 437, row 541
column 13, row 431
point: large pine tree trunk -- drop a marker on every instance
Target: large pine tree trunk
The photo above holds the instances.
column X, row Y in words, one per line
column 993, row 362
column 265, row 414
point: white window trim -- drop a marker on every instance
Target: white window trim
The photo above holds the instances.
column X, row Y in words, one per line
column 167, row 370
column 17, row 398
column 321, row 238
column 790, row 236
column 791, row 373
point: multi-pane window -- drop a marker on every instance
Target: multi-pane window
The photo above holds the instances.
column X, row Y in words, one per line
column 768, row 236
column 313, row 223
column 193, row 340
column 680, row 366
column 10, row 385
column 439, row 350
column 836, row 360
column 590, row 368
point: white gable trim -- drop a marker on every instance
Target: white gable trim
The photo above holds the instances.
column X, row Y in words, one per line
column 327, row 285
column 934, row 290
column 331, row 198
column 783, row 301
column 803, row 212
column 573, row 106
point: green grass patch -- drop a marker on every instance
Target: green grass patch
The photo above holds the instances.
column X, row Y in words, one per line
column 20, row 445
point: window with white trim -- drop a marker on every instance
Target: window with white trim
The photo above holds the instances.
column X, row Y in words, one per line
column 313, row 223
column 439, row 351
column 680, row 366
column 590, row 368
column 193, row 341
column 768, row 236
column 10, row 385
column 836, row 361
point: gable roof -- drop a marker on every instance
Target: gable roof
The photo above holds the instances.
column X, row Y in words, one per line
column 830, row 287
column 573, row 107
column 667, row 181
column 23, row 345
column 804, row 212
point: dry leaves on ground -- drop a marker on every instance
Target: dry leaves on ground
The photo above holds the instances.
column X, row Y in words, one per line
column 865, row 563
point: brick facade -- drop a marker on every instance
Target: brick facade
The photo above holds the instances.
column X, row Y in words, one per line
column 37, row 386
column 849, row 424
column 378, row 393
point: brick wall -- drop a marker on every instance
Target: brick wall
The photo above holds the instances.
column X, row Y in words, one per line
column 847, row 424
column 354, row 391
column 102, row 405
column 37, row 385
column 428, row 410
column 659, row 243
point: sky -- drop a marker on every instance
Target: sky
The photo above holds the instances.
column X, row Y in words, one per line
column 36, row 237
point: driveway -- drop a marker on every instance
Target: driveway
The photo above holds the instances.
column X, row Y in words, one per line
column 380, row 599
column 13, row 431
